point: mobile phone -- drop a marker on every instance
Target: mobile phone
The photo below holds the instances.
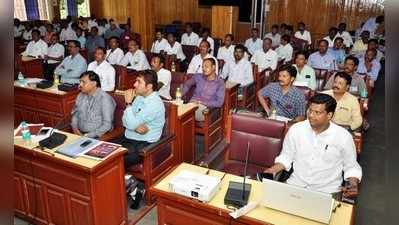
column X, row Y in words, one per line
column 307, row 76
column 86, row 143
column 44, row 131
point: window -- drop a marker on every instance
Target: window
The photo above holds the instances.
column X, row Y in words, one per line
column 20, row 10
column 83, row 8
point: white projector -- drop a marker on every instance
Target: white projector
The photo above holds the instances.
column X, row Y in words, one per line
column 195, row 185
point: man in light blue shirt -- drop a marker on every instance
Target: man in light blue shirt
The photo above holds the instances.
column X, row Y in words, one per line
column 143, row 118
column 338, row 53
column 73, row 65
column 369, row 65
column 322, row 59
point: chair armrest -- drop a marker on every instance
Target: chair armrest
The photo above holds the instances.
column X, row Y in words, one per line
column 217, row 152
column 157, row 146
column 113, row 134
column 212, row 114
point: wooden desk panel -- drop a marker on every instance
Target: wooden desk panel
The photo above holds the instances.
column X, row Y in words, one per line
column 176, row 209
column 48, row 106
column 51, row 188
column 186, row 132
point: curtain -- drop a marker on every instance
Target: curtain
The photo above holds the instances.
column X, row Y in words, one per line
column 72, row 8
column 32, row 10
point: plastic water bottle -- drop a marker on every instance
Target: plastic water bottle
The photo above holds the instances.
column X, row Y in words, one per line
column 21, row 79
column 273, row 113
column 173, row 67
column 178, row 96
column 25, row 132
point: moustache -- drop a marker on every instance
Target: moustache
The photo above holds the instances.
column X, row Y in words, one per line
column 335, row 88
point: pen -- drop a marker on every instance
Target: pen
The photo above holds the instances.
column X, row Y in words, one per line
column 326, row 147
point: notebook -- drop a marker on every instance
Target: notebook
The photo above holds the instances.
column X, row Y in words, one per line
column 78, row 147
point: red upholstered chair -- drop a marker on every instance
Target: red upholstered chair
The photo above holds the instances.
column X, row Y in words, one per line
column 124, row 78
column 259, row 80
column 322, row 76
column 248, row 98
column 30, row 68
column 84, row 53
column 160, row 157
column 178, row 79
column 299, row 44
column 148, row 55
column 189, row 51
column 264, row 136
column 169, row 59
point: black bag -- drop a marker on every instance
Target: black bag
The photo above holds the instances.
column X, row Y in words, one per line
column 68, row 87
column 44, row 84
column 134, row 191
column 53, row 141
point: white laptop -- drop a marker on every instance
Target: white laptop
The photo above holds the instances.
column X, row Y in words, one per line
column 299, row 201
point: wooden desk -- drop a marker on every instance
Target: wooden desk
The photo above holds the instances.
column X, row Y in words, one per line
column 48, row 106
column 50, row 188
column 176, row 209
column 185, row 135
column 29, row 66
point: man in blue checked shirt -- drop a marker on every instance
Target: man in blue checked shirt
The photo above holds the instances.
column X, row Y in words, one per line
column 144, row 116
column 288, row 100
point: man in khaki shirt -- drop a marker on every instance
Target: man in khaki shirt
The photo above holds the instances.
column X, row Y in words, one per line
column 347, row 113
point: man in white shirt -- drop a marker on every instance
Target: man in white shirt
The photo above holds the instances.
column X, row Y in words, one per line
column 105, row 71
column 54, row 56
column 285, row 50
column 27, row 34
column 322, row 59
column 195, row 65
column 92, row 22
column 205, row 36
column 174, row 48
column 303, row 34
column 135, row 57
column 189, row 38
column 68, row 33
column 160, row 43
column 319, row 150
column 164, row 76
column 372, row 24
column 238, row 70
column 265, row 58
column 275, row 36
column 348, row 42
column 37, row 47
column 254, row 43
column 332, row 32
column 226, row 53
column 18, row 28
column 114, row 53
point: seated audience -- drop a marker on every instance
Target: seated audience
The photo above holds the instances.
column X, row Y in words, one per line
column 37, row 47
column 226, row 53
column 285, row 50
column 342, row 33
column 338, row 53
column 101, row 27
column 305, row 74
column 68, row 32
column 265, row 58
column 303, row 34
column 128, row 35
column 287, row 99
column 174, row 48
column 93, row 41
column 54, row 56
column 105, row 71
column 238, row 70
column 114, row 53
column 135, row 57
column 164, row 76
column 369, row 65
column 360, row 45
column 205, row 37
column 357, row 84
column 196, row 63
column 209, row 88
column 311, row 148
column 275, row 36
column 253, row 43
column 160, row 43
column 73, row 65
column 18, row 28
column 373, row 45
column 321, row 59
column 189, row 37
column 93, row 113
column 372, row 25
column 332, row 33
column 143, row 118
column 347, row 114
column 27, row 34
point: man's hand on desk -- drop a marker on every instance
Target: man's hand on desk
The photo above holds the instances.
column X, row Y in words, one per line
column 129, row 95
column 142, row 129
column 77, row 131
column 275, row 169
column 351, row 190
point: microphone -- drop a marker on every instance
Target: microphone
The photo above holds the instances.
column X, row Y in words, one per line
column 238, row 193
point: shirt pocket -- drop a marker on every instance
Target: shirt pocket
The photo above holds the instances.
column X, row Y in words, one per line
column 331, row 154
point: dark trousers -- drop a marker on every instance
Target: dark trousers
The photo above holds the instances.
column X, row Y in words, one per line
column 133, row 146
column 48, row 71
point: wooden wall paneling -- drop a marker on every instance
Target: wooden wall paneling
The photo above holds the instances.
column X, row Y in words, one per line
column 221, row 27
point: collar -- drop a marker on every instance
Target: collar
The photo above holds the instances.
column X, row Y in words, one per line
column 327, row 132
